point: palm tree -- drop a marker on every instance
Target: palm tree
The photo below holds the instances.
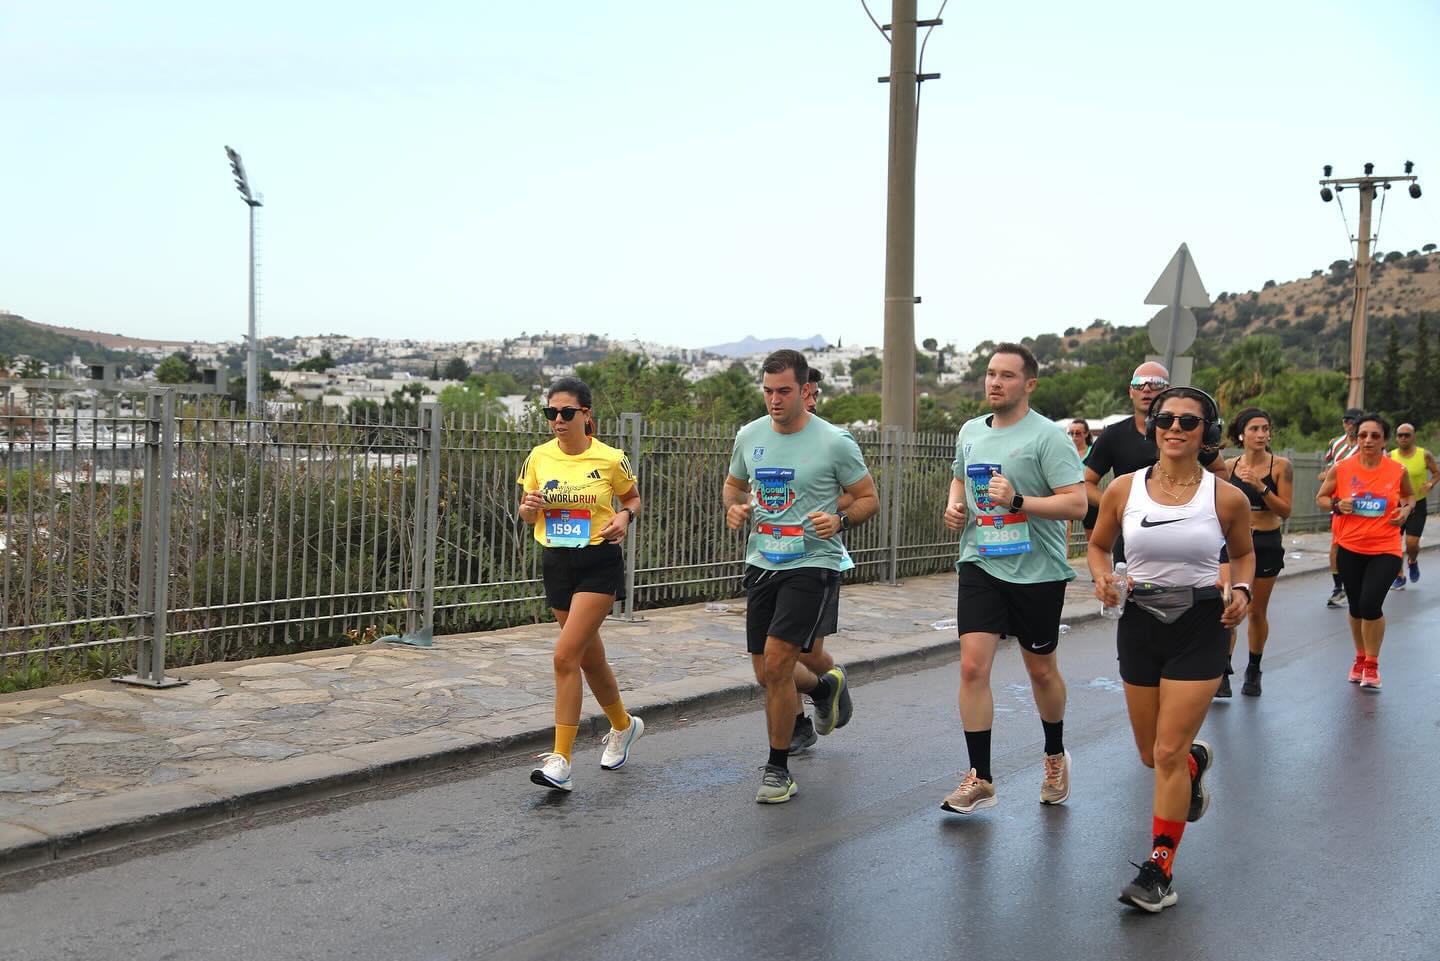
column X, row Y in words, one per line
column 1248, row 364
column 1100, row 402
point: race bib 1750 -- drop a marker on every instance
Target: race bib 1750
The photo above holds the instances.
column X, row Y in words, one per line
column 1368, row 506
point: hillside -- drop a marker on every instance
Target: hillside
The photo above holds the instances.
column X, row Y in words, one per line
column 1310, row 316
column 56, row 345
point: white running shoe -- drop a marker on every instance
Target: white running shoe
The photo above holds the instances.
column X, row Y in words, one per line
column 554, row 773
column 617, row 744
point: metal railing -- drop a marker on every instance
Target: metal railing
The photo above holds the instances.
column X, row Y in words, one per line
column 180, row 531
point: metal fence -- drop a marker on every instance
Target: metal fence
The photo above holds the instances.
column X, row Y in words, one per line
column 176, row 532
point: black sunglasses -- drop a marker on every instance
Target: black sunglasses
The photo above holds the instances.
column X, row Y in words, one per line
column 1165, row 420
column 566, row 414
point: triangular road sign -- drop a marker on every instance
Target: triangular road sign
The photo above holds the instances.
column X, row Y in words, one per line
column 1192, row 291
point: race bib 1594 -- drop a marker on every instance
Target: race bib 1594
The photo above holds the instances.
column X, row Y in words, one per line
column 567, row 528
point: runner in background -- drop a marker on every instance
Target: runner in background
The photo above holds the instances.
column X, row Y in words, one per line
column 1078, row 430
column 1268, row 483
column 832, row 712
column 1424, row 473
column 568, row 488
column 1371, row 498
column 1340, row 448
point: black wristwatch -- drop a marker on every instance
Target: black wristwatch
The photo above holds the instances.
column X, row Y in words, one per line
column 1017, row 502
column 844, row 521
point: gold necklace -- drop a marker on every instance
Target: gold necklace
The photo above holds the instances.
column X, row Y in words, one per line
column 1166, row 488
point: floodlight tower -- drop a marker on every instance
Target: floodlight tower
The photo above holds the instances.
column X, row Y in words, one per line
column 252, row 353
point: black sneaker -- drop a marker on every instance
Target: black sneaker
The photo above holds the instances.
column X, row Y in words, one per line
column 1151, row 890
column 1251, row 687
column 804, row 735
column 833, row 709
column 1224, row 689
column 1337, row 598
column 1204, row 756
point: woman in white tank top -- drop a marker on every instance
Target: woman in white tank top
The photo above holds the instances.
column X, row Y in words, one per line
column 1174, row 635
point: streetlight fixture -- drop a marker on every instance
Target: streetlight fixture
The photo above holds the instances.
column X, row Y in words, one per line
column 1368, row 185
column 252, row 355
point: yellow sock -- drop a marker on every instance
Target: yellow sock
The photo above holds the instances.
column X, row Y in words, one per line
column 619, row 717
column 565, row 739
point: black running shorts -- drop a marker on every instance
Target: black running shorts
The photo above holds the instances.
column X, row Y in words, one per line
column 830, row 619
column 1415, row 523
column 1269, row 553
column 567, row 571
column 790, row 605
column 1030, row 613
column 1195, row 648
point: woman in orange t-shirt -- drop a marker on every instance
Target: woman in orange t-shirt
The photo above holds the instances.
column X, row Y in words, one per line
column 1371, row 498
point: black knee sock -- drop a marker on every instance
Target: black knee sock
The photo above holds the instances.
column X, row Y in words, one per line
column 1255, row 660
column 1054, row 736
column 1335, row 576
column 977, row 743
column 780, row 757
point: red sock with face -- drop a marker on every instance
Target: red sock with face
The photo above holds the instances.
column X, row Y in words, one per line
column 1167, row 839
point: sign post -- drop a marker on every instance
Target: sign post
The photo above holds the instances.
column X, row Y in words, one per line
column 1173, row 329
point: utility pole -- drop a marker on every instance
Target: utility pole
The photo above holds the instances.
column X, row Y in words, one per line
column 252, row 354
column 897, row 370
column 1367, row 185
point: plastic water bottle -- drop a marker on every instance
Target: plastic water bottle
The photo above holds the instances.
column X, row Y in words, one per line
column 1123, row 586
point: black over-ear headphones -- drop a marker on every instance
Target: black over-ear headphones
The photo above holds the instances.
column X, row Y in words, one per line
column 1214, row 426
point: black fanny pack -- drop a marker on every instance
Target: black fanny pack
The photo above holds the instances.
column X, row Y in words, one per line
column 1168, row 604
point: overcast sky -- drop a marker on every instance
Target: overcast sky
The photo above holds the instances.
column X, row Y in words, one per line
column 682, row 171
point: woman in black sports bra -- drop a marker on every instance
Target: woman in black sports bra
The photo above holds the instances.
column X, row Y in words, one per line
column 1269, row 483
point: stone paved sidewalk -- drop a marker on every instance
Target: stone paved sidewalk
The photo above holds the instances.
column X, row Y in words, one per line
column 92, row 765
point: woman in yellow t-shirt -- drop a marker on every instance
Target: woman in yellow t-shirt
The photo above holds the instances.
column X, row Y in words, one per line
column 569, row 486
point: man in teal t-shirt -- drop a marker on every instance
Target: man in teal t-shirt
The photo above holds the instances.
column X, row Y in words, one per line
column 1017, row 481
column 786, row 476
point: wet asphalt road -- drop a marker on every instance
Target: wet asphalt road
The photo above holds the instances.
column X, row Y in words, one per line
column 1316, row 847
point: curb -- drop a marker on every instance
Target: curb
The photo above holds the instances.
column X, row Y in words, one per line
column 101, row 824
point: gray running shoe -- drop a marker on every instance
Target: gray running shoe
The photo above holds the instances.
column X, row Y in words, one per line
column 835, row 710
column 776, row 786
column 1150, row 891
column 804, row 735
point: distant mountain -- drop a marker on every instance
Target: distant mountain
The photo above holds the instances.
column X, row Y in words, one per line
column 751, row 345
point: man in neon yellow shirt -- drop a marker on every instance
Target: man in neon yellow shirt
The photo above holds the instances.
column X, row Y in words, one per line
column 1419, row 463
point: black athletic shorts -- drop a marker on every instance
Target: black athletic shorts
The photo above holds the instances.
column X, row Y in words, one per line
column 1091, row 514
column 1030, row 613
column 830, row 619
column 567, row 571
column 790, row 605
column 1194, row 648
column 1269, row 553
column 1415, row 523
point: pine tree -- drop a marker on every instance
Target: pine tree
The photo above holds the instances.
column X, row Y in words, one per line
column 1420, row 385
column 1387, row 398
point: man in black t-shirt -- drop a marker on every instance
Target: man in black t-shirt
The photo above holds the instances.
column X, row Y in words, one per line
column 1122, row 447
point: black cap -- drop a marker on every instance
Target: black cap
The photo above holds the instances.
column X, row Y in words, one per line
column 1353, row 414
